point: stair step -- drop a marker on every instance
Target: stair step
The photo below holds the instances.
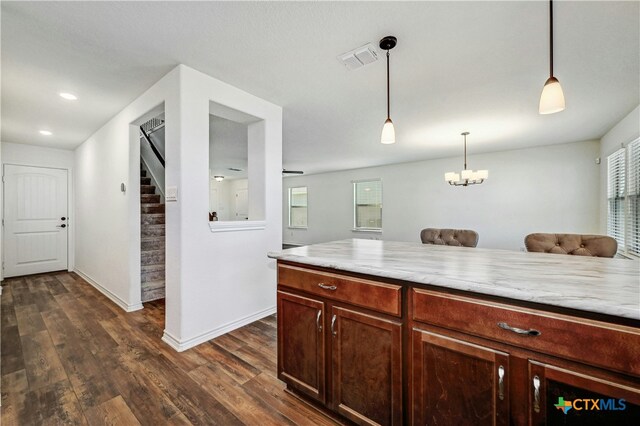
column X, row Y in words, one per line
column 149, row 268
column 153, row 290
column 152, row 219
column 152, row 257
column 145, row 181
column 143, row 173
column 149, row 198
column 152, row 275
column 150, row 230
column 152, row 243
column 152, row 208
column 147, row 189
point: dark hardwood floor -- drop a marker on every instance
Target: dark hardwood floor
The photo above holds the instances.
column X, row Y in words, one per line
column 70, row 356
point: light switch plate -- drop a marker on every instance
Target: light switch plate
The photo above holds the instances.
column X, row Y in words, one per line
column 172, row 193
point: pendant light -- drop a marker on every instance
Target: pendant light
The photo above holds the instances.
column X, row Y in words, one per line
column 469, row 177
column 552, row 98
column 388, row 131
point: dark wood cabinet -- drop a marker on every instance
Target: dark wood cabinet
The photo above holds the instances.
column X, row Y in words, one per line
column 572, row 396
column 455, row 382
column 301, row 344
column 349, row 360
column 389, row 352
column 366, row 370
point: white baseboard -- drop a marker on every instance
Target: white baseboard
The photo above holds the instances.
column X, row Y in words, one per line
column 218, row 331
column 113, row 297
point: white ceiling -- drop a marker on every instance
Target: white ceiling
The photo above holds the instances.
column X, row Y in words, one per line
column 476, row 66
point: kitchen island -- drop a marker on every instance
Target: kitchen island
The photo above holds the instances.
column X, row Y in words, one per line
column 404, row 333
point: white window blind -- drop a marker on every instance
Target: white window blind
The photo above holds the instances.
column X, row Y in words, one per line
column 615, row 196
column 298, row 207
column 633, row 200
column 367, row 196
column 623, row 198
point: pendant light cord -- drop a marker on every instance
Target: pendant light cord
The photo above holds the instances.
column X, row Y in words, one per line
column 388, row 107
column 551, row 37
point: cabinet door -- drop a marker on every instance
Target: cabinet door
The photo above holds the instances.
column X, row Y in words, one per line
column 367, row 367
column 571, row 397
column 301, row 344
column 458, row 383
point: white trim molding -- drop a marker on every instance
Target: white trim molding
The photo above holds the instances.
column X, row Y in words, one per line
column 113, row 297
column 245, row 225
column 181, row 346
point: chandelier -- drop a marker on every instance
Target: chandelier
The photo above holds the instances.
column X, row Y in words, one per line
column 466, row 177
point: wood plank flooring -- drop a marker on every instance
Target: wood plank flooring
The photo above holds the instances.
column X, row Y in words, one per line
column 70, row 356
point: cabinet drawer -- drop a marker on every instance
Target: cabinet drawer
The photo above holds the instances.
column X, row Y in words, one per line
column 355, row 291
column 597, row 343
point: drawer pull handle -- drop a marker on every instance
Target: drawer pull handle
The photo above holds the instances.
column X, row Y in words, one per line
column 530, row 332
column 318, row 323
column 536, row 394
column 327, row 287
column 501, row 383
column 333, row 326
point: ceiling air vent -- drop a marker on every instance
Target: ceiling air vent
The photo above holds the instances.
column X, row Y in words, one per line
column 359, row 57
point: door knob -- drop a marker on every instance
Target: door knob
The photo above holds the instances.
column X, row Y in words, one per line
column 61, row 226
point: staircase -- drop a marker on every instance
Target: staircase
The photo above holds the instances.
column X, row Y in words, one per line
column 152, row 242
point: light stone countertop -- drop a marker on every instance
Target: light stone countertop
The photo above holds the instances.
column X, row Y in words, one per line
column 600, row 285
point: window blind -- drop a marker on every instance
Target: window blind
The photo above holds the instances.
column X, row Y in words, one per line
column 633, row 194
column 298, row 207
column 367, row 204
column 615, row 196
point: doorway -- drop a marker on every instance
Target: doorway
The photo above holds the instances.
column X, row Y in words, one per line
column 35, row 220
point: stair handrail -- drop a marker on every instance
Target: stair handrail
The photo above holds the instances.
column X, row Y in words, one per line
column 153, row 146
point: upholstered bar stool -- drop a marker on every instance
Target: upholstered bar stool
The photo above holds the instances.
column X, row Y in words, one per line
column 449, row 237
column 574, row 244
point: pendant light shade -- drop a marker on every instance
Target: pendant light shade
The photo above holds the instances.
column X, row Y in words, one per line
column 388, row 131
column 552, row 98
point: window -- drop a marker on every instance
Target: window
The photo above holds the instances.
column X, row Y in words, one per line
column 367, row 205
column 298, row 207
column 623, row 198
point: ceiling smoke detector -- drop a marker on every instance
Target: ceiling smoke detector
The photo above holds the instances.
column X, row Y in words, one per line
column 357, row 58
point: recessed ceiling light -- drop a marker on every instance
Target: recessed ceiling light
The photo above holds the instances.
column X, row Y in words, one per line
column 45, row 132
column 68, row 96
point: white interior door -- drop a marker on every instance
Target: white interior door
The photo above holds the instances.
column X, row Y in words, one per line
column 242, row 205
column 35, row 220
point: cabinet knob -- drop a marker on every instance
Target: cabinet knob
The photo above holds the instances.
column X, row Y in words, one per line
column 530, row 332
column 501, row 383
column 536, row 394
column 333, row 329
column 318, row 323
column 327, row 287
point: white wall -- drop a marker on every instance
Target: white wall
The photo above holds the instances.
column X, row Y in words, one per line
column 544, row 189
column 108, row 220
column 225, row 279
column 32, row 155
column 215, row 282
column 627, row 130
column 226, row 197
